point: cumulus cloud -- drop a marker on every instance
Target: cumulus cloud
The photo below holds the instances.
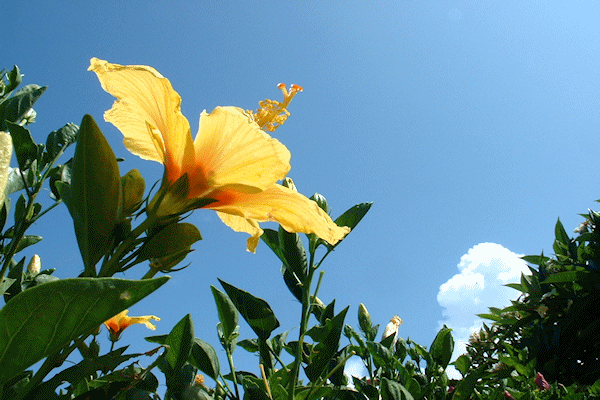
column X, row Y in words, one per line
column 483, row 272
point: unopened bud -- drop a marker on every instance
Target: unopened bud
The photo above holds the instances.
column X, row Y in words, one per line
column 35, row 265
column 29, row 117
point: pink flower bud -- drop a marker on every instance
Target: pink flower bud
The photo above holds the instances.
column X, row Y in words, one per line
column 541, row 382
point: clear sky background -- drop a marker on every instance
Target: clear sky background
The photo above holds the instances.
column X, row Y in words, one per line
column 471, row 126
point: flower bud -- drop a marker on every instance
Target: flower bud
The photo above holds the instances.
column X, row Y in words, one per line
column 35, row 265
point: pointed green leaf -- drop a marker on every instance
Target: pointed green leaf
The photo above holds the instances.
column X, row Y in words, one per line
column 535, row 260
column 463, row 364
column 95, row 194
column 5, row 284
column 561, row 234
column 180, row 341
column 58, row 140
column 204, row 357
column 391, row 390
column 17, row 107
column 293, row 253
column 41, row 320
column 228, row 314
column 465, row 387
column 324, row 350
column 25, row 148
column 257, row 313
column 353, row 215
column 442, row 347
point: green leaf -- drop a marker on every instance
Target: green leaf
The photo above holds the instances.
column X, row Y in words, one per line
column 25, row 148
column 325, row 350
column 442, row 347
column 59, row 140
column 257, row 313
column 250, row 345
column 5, row 284
column 561, row 234
column 95, row 194
column 204, row 357
column 463, row 364
column 16, row 273
column 352, row 216
column 27, row 241
column 570, row 276
column 43, row 319
column 180, row 341
column 15, row 108
column 293, row 253
column 271, row 238
column 465, row 387
column 535, row 260
column 228, row 314
column 391, row 390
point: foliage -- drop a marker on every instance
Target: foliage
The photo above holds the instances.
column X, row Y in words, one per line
column 551, row 329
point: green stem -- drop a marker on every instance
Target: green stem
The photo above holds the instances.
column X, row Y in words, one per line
column 113, row 265
column 330, row 374
column 51, row 362
column 22, row 226
column 233, row 375
column 306, row 306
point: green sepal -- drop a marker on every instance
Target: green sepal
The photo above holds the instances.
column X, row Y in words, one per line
column 365, row 323
column 173, row 238
column 133, row 186
column 257, row 313
column 180, row 341
column 94, row 196
column 43, row 319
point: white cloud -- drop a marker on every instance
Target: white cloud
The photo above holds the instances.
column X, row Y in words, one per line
column 484, row 271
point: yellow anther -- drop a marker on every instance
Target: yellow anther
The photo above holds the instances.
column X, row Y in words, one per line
column 271, row 114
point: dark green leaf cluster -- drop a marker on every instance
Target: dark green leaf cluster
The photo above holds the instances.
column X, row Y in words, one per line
column 552, row 328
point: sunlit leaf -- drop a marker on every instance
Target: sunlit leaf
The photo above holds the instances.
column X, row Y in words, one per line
column 41, row 320
column 257, row 313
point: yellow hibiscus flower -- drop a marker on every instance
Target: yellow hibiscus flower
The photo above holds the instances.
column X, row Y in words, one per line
column 117, row 324
column 232, row 161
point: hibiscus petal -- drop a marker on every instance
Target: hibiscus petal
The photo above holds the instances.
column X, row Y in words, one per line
column 233, row 153
column 148, row 113
column 240, row 224
column 295, row 212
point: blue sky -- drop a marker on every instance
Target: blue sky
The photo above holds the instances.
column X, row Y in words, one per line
column 464, row 122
